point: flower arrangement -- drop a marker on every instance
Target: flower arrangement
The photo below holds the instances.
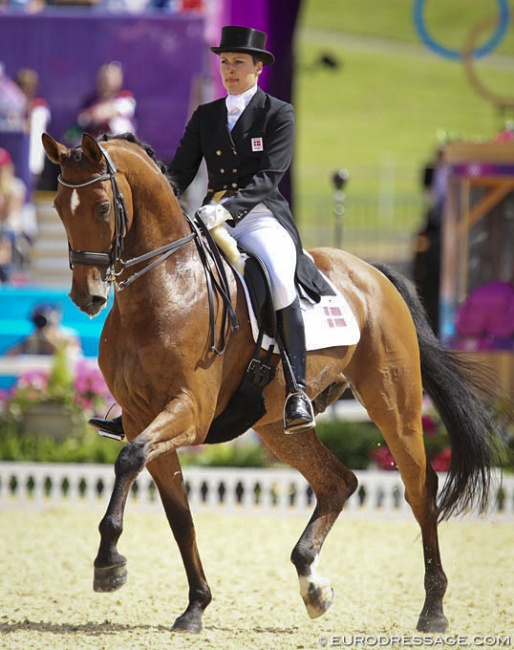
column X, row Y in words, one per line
column 436, row 444
column 81, row 391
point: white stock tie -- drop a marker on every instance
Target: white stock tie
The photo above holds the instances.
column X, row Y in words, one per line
column 235, row 106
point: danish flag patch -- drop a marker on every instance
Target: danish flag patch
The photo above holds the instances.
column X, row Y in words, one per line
column 257, row 144
column 334, row 317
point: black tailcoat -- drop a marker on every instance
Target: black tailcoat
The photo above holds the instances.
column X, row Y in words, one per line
column 248, row 163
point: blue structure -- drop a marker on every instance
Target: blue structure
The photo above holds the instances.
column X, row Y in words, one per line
column 17, row 304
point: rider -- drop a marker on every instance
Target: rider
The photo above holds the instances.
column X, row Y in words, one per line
column 247, row 141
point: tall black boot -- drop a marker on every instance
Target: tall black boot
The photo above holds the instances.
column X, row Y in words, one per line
column 298, row 412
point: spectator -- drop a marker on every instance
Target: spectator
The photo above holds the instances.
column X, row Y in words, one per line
column 12, row 103
column 27, row 6
column 37, row 118
column 48, row 335
column 12, row 199
column 111, row 109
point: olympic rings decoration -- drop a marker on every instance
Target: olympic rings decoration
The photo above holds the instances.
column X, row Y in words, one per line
column 478, row 85
column 492, row 43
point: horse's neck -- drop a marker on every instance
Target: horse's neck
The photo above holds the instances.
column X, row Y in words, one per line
column 157, row 221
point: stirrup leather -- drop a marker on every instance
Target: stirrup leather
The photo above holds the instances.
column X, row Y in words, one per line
column 302, row 426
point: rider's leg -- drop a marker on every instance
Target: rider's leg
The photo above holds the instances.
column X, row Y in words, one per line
column 298, row 412
column 262, row 234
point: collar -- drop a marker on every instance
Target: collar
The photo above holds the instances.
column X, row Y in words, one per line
column 237, row 103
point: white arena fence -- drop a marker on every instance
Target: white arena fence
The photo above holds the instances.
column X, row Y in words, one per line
column 258, row 491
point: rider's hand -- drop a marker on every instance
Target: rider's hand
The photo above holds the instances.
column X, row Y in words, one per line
column 213, row 215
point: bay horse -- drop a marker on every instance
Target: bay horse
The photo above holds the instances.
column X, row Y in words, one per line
column 158, row 359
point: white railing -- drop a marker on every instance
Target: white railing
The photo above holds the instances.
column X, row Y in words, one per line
column 265, row 491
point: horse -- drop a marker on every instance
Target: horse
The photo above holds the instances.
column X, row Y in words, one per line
column 172, row 379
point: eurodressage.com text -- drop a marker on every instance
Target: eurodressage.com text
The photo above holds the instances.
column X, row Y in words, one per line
column 411, row 641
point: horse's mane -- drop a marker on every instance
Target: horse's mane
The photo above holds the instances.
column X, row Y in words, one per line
column 130, row 137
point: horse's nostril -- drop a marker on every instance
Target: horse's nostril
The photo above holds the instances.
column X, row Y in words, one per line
column 98, row 301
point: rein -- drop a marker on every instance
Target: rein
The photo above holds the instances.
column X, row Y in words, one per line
column 115, row 265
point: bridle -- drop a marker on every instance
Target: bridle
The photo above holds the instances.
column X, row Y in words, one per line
column 115, row 265
column 113, row 261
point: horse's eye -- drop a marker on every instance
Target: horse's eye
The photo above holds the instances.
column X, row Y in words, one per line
column 103, row 210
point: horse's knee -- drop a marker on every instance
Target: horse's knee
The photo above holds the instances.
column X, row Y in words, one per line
column 131, row 459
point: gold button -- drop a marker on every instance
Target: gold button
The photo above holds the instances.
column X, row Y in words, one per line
column 234, row 171
column 225, row 186
column 218, row 153
column 234, row 184
column 222, row 171
column 235, row 152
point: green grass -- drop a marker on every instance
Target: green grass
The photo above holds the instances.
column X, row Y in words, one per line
column 448, row 21
column 380, row 112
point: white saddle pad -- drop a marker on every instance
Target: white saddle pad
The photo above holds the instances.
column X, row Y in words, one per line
column 329, row 323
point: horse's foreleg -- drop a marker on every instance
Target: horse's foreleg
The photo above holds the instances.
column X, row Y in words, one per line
column 168, row 478
column 333, row 484
column 110, row 566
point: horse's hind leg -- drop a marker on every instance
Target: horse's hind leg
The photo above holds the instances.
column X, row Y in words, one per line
column 333, row 484
column 110, row 566
column 394, row 404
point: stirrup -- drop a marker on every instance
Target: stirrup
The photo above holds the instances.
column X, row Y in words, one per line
column 301, row 426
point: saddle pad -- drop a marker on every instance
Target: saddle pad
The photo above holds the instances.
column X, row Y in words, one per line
column 329, row 323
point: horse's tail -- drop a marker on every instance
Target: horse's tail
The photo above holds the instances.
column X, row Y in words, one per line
column 462, row 395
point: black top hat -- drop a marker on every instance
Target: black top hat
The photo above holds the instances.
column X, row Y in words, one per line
column 244, row 39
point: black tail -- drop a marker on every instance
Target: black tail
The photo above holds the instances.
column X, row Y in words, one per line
column 462, row 395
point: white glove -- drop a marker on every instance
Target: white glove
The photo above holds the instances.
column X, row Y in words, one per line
column 213, row 215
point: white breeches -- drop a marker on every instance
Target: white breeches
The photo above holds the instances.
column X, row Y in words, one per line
column 262, row 234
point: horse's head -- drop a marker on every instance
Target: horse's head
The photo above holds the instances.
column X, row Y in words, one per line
column 95, row 206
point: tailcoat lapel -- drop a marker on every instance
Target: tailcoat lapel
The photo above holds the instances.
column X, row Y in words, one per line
column 250, row 116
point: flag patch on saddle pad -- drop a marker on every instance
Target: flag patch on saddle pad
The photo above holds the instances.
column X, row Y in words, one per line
column 334, row 316
column 329, row 323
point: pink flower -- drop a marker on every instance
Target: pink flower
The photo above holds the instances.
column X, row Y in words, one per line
column 384, row 458
column 429, row 425
column 441, row 462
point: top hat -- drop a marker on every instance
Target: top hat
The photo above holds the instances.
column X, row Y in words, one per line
column 244, row 39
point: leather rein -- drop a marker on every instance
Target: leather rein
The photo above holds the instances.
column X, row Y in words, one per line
column 115, row 265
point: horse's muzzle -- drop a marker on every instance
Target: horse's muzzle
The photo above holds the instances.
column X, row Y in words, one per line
column 89, row 291
column 91, row 305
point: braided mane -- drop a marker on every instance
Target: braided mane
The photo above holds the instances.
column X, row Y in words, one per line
column 130, row 137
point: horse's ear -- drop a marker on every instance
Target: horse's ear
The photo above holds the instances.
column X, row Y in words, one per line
column 91, row 149
column 54, row 150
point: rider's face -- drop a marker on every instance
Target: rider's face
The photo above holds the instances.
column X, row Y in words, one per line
column 238, row 71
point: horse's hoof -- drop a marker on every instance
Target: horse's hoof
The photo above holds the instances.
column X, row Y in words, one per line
column 431, row 625
column 187, row 624
column 319, row 598
column 110, row 578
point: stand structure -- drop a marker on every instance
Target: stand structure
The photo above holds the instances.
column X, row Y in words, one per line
column 477, row 266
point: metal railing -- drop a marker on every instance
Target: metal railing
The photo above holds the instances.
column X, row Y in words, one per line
column 371, row 228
